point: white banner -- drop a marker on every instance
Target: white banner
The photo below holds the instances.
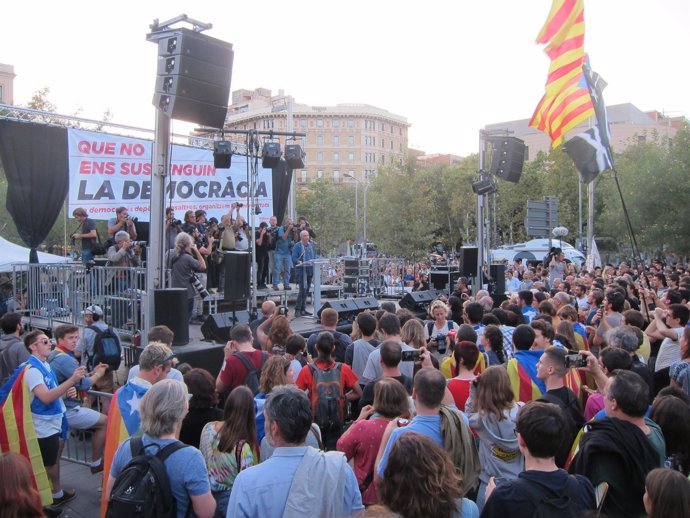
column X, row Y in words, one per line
column 109, row 171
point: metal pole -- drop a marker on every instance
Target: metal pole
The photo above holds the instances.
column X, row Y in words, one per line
column 292, row 197
column 356, row 208
column 366, row 187
column 480, row 222
column 590, row 218
column 579, row 212
column 155, row 270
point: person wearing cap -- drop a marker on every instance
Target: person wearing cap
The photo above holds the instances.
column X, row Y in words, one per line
column 122, row 255
column 93, row 317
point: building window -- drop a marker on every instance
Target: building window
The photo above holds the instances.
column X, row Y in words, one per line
column 303, row 176
column 336, row 156
column 350, row 140
column 391, row 145
column 319, row 174
column 303, row 123
column 336, row 140
column 336, row 123
column 319, row 123
column 319, row 140
column 350, row 123
column 351, row 156
column 383, row 159
column 336, row 176
column 383, row 143
column 268, row 124
column 319, row 156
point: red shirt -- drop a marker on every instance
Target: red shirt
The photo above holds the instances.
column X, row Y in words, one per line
column 348, row 379
column 234, row 371
column 362, row 443
column 460, row 390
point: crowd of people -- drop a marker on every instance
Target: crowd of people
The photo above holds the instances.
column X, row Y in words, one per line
column 568, row 394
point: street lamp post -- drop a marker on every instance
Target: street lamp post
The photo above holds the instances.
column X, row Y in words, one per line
column 366, row 186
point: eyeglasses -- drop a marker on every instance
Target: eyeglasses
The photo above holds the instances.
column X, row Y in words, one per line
column 44, row 341
column 168, row 359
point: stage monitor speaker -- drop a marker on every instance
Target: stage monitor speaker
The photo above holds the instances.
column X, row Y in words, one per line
column 366, row 303
column 194, row 76
column 346, row 308
column 416, row 300
column 468, row 258
column 350, row 284
column 498, row 280
column 508, row 158
column 439, row 279
column 171, row 310
column 236, row 266
column 217, row 327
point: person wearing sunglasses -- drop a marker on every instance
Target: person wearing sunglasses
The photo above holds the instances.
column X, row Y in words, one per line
column 47, row 406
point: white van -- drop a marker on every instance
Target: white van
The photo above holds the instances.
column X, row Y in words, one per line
column 535, row 250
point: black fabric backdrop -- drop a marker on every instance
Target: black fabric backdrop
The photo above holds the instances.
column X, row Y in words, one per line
column 282, row 178
column 35, row 160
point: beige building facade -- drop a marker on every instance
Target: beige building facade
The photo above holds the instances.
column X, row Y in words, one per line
column 628, row 124
column 7, row 76
column 344, row 143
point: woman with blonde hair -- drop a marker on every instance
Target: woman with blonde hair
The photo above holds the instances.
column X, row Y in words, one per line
column 274, row 342
column 412, row 333
column 440, row 327
column 493, row 413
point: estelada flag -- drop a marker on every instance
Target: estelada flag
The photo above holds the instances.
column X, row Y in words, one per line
column 17, row 432
column 123, row 422
column 524, row 386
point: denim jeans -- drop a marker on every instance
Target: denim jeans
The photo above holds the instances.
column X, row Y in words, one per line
column 284, row 261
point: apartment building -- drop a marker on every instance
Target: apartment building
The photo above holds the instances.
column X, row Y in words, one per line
column 7, row 76
column 343, row 143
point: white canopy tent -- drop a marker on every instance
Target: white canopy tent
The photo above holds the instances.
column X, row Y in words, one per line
column 11, row 254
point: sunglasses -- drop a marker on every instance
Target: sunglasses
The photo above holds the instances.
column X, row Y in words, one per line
column 43, row 341
column 168, row 359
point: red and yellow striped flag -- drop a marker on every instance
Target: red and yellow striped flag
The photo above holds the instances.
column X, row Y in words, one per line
column 524, row 388
column 17, row 432
column 567, row 101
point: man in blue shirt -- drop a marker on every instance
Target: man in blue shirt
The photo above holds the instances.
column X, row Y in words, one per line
column 282, row 257
column 302, row 255
column 297, row 480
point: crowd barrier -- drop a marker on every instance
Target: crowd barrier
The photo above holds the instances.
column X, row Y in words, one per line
column 53, row 294
column 77, row 447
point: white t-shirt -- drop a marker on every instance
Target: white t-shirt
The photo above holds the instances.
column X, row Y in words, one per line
column 45, row 425
column 669, row 352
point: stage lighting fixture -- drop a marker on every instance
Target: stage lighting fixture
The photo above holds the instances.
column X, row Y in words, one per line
column 294, row 156
column 222, row 154
column 484, row 186
column 270, row 155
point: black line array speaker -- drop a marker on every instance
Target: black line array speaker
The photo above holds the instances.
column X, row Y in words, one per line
column 170, row 309
column 508, row 158
column 236, row 266
column 194, row 76
column 498, row 280
column 468, row 256
column 217, row 327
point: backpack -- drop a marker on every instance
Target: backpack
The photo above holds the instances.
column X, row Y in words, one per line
column 326, row 406
column 548, row 504
column 142, row 489
column 106, row 349
column 253, row 374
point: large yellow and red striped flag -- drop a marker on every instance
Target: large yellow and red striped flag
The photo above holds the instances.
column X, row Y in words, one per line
column 567, row 101
column 524, row 384
column 17, row 432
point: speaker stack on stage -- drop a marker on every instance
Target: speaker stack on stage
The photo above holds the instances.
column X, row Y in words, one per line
column 497, row 284
column 236, row 266
column 356, row 278
column 170, row 309
column 468, row 257
column 348, row 309
column 217, row 327
column 194, row 75
column 441, row 279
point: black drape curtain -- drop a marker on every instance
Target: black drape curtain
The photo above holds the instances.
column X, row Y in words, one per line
column 282, row 178
column 35, row 160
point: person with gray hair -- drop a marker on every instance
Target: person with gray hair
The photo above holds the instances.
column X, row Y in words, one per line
column 182, row 263
column 162, row 410
column 297, row 480
column 122, row 255
column 625, row 338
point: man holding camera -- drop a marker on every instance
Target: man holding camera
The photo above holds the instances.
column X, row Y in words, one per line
column 122, row 222
column 172, row 228
column 124, row 254
column 87, row 236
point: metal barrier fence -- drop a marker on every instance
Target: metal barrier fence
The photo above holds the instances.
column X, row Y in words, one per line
column 50, row 294
column 77, row 447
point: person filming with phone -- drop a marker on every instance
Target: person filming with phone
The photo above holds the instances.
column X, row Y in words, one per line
column 391, row 356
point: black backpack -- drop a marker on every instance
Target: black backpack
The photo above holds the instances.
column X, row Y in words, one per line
column 106, row 349
column 253, row 374
column 327, row 408
column 548, row 504
column 142, row 489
